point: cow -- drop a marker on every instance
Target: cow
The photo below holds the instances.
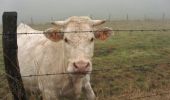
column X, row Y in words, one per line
column 67, row 47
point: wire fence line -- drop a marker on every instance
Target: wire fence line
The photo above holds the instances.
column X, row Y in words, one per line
column 94, row 71
column 114, row 30
column 54, row 74
column 131, row 98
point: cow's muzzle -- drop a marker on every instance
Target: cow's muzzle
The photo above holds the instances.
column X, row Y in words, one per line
column 81, row 67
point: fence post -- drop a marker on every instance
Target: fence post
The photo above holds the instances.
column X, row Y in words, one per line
column 10, row 50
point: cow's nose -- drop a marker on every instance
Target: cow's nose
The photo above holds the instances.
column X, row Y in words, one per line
column 81, row 66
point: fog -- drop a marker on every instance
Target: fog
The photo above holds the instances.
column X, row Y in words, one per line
column 41, row 11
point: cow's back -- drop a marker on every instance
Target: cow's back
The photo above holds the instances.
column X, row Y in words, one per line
column 38, row 55
column 27, row 57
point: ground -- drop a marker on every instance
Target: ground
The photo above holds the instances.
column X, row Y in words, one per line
column 138, row 63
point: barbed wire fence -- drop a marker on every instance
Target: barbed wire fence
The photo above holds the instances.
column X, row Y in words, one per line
column 113, row 30
column 95, row 71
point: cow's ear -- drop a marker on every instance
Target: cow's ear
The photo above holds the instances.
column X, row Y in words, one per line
column 54, row 34
column 103, row 34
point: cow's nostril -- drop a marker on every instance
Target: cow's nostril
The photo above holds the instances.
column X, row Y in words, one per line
column 74, row 64
column 87, row 64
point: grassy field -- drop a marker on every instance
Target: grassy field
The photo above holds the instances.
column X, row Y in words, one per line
column 139, row 63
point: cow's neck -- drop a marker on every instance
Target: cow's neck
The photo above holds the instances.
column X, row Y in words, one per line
column 73, row 86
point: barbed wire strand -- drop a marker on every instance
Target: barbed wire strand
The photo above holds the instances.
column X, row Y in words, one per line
column 115, row 30
column 109, row 69
column 87, row 72
column 52, row 74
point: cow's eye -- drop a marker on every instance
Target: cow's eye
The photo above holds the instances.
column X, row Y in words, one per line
column 92, row 39
column 66, row 40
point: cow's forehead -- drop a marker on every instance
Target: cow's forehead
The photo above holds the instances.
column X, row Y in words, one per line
column 78, row 26
column 79, row 30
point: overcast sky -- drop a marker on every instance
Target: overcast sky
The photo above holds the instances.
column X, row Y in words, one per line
column 44, row 10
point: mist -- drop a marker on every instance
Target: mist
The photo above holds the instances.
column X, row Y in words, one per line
column 41, row 11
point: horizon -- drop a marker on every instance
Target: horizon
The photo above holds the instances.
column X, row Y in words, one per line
column 46, row 11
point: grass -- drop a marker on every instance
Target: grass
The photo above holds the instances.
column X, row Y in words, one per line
column 139, row 62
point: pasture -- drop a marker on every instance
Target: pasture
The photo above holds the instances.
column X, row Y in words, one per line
column 139, row 63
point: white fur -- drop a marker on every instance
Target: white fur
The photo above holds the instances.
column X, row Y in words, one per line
column 39, row 55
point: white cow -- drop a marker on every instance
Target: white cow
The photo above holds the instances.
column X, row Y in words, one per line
column 57, row 52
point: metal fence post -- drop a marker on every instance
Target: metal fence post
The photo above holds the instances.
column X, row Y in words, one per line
column 10, row 50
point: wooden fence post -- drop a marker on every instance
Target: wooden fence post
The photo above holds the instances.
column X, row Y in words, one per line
column 10, row 50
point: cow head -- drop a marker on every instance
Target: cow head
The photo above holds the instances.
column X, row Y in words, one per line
column 78, row 40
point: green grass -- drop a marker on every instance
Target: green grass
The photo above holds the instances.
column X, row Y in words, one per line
column 139, row 62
